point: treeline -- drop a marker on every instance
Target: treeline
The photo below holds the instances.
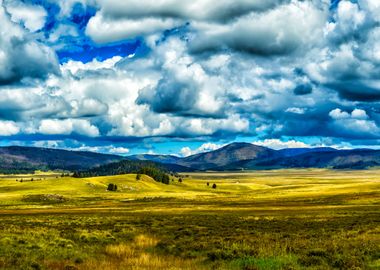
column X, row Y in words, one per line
column 19, row 167
column 151, row 169
column 16, row 171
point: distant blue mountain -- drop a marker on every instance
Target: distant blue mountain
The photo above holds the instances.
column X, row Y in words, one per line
column 289, row 152
column 169, row 159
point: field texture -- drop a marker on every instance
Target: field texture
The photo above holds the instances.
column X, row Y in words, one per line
column 288, row 219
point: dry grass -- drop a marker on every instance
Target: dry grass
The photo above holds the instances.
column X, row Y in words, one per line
column 137, row 256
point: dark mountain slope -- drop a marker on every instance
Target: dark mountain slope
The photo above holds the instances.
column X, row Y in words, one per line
column 16, row 158
column 339, row 159
column 226, row 155
column 237, row 156
column 290, row 152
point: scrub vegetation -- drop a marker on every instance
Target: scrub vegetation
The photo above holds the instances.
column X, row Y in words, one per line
column 286, row 219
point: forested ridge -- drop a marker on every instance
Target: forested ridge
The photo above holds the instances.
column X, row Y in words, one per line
column 151, row 169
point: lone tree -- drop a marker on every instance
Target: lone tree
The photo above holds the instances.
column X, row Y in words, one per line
column 138, row 177
column 180, row 180
column 112, row 187
column 214, row 186
column 208, row 184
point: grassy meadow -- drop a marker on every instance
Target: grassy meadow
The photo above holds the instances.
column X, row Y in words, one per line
column 285, row 219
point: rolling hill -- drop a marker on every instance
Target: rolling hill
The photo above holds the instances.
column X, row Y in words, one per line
column 15, row 159
column 156, row 171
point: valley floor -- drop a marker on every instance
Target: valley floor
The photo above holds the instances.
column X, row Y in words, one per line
column 286, row 219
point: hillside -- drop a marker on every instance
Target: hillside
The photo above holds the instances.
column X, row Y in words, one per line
column 235, row 156
column 167, row 159
column 340, row 159
column 27, row 159
column 290, row 152
column 226, row 155
column 245, row 156
column 157, row 172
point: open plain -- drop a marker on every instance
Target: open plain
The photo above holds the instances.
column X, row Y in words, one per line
column 280, row 219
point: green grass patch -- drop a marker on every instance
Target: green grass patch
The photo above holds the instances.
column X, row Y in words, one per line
column 271, row 263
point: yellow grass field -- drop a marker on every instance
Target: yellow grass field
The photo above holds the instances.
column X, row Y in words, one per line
column 285, row 219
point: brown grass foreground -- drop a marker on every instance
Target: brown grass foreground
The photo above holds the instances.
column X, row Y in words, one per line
column 133, row 256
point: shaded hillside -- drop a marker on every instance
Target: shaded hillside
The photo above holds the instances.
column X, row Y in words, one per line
column 226, row 155
column 245, row 156
column 169, row 162
column 168, row 159
column 343, row 159
column 339, row 159
column 15, row 159
column 290, row 152
column 156, row 171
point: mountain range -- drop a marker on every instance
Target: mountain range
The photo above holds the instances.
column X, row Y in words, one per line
column 246, row 156
column 232, row 157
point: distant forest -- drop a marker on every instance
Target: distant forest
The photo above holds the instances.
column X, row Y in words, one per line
column 15, row 167
column 17, row 171
column 151, row 169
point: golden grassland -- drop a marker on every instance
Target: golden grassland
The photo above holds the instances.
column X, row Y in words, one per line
column 285, row 219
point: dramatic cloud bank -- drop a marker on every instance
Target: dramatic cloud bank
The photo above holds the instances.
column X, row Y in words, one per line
column 282, row 73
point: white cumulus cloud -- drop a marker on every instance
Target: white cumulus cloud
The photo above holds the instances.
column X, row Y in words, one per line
column 278, row 144
column 67, row 127
column 8, row 128
column 206, row 147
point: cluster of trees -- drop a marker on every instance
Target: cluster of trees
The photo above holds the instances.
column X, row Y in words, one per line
column 175, row 175
column 126, row 167
column 156, row 173
column 29, row 180
column 213, row 185
column 112, row 187
column 9, row 166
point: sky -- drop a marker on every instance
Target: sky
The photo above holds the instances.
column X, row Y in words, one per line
column 183, row 77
